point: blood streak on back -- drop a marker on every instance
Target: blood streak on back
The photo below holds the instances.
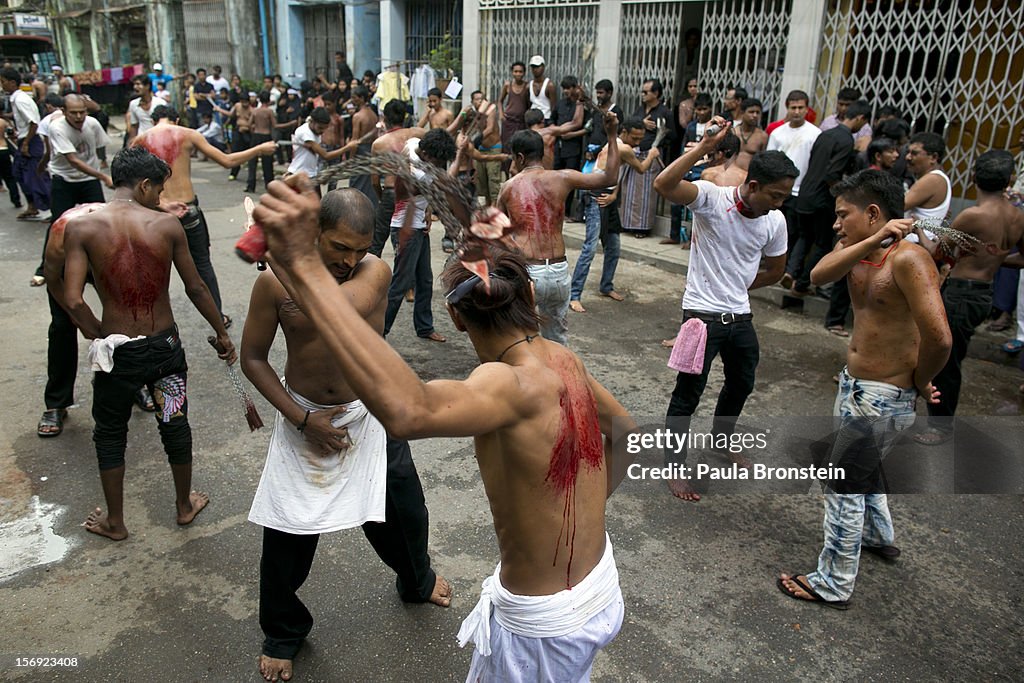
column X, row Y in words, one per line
column 57, row 229
column 135, row 277
column 164, row 143
column 579, row 439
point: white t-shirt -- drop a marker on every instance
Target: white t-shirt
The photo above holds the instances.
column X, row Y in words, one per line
column 218, row 84
column 303, row 158
column 419, row 202
column 65, row 139
column 727, row 250
column 796, row 144
column 26, row 112
column 43, row 128
column 142, row 117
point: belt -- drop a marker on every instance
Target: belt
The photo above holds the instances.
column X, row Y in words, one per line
column 546, row 261
column 962, row 283
column 724, row 318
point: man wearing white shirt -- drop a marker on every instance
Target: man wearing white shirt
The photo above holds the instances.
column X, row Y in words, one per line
column 29, row 148
column 735, row 227
column 140, row 109
column 217, row 81
column 795, row 139
column 307, row 149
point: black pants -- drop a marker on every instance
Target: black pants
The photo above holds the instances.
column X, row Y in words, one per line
column 267, row 162
column 412, row 271
column 967, row 304
column 158, row 362
column 817, row 235
column 239, row 143
column 61, row 358
column 198, row 235
column 738, row 346
column 7, row 175
column 64, row 196
column 382, row 221
column 401, row 542
column 792, row 236
column 571, row 163
column 838, row 304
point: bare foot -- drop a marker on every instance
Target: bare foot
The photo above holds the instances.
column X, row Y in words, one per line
column 577, row 306
column 98, row 523
column 275, row 669
column 196, row 502
column 410, row 295
column 668, row 343
column 613, row 295
column 442, row 594
column 681, row 489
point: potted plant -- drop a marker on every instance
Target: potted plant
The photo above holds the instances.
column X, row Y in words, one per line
column 444, row 60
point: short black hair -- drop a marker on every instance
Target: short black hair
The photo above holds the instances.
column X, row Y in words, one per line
column 164, row 111
column 508, row 306
column 896, row 128
column 796, row 96
column 370, row 72
column 771, row 167
column 872, row 187
column 569, row 82
column 858, row 108
column 134, row 164
column 656, row 86
column 139, row 78
column 604, row 84
column 848, row 95
column 54, row 100
column 702, row 100
column 993, row 170
column 361, row 91
column 515, row 64
column 320, row 115
column 739, row 93
column 10, row 74
column 264, row 96
column 888, row 110
column 434, row 92
column 349, row 206
column 475, row 93
column 395, row 112
column 729, row 146
column 879, row 145
column 529, row 143
column 200, row 69
column 631, row 123
column 531, row 117
column 931, row 143
column 751, row 102
column 438, row 145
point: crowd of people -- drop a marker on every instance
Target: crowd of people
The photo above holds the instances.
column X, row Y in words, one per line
column 856, row 203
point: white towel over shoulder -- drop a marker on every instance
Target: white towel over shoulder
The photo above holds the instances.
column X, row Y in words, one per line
column 303, row 492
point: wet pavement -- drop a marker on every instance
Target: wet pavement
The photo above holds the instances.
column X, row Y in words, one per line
column 698, row 579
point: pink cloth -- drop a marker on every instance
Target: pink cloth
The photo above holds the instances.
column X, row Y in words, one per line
column 688, row 352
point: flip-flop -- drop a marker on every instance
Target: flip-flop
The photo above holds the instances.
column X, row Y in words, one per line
column 1013, row 346
column 817, row 599
column 838, row 330
column 889, row 553
column 933, row 437
column 228, row 322
column 53, row 417
column 447, row 245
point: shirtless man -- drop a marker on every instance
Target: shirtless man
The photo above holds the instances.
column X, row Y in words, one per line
column 489, row 158
column 363, row 122
column 967, row 292
column 546, row 479
column 393, row 140
column 725, row 170
column 549, row 134
column 129, row 247
column 514, row 101
column 174, row 145
column 752, row 137
column 324, row 433
column 241, row 111
column 333, row 136
column 534, row 199
column 900, row 342
column 263, row 121
column 436, row 115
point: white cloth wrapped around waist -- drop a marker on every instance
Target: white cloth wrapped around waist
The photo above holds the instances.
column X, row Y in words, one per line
column 541, row 616
column 304, row 492
column 101, row 351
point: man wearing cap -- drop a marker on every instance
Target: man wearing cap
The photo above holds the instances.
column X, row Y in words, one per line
column 542, row 90
column 158, row 76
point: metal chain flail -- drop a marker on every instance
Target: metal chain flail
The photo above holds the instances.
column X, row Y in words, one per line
column 949, row 239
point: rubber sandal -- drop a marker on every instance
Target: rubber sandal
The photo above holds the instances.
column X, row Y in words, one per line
column 447, row 245
column 816, row 599
column 53, row 417
column 228, row 322
column 144, row 400
column 1013, row 346
column 889, row 553
column 838, row 330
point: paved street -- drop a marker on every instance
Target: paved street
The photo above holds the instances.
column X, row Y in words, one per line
column 698, row 579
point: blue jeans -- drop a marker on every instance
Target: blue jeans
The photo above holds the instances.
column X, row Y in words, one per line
column 551, row 287
column 412, row 271
column 592, row 217
column 871, row 415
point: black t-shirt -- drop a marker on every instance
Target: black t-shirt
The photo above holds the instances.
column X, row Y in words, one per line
column 659, row 112
column 571, row 148
column 830, row 159
column 597, row 135
column 203, row 106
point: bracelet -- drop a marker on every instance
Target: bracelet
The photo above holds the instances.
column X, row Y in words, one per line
column 305, row 420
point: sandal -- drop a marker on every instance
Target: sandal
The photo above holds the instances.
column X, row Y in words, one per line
column 1013, row 346
column 815, row 598
column 52, row 422
column 889, row 553
column 447, row 245
column 37, row 281
column 227, row 321
column 144, row 400
column 838, row 330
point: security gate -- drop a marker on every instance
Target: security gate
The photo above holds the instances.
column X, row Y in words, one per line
column 206, row 35
column 324, row 29
column 427, row 22
column 649, row 47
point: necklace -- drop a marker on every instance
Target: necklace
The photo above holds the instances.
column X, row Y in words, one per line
column 528, row 339
column 536, row 167
column 119, row 199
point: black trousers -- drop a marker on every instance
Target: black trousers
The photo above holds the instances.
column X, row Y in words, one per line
column 382, row 221
column 158, row 362
column 7, row 175
column 239, row 143
column 401, row 542
column 198, row 235
column 571, row 163
column 967, row 304
column 64, row 196
column 792, row 235
column 817, row 235
column 61, row 357
column 838, row 304
column 737, row 344
column 267, row 162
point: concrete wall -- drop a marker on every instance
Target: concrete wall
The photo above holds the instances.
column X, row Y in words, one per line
column 363, row 30
column 392, row 31
column 291, row 46
column 165, row 29
column 244, row 29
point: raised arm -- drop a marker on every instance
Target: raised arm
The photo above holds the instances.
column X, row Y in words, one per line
column 610, row 175
column 671, row 184
column 841, row 260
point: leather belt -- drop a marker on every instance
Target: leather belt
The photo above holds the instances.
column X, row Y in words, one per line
column 546, row 261
column 724, row 318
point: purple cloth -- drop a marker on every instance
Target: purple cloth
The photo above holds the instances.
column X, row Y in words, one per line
column 688, row 352
column 35, row 185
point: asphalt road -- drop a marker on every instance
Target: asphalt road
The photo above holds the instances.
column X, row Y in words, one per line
column 180, row 604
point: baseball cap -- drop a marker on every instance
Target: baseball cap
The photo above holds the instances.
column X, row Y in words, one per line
column 158, row 66
column 536, row 60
